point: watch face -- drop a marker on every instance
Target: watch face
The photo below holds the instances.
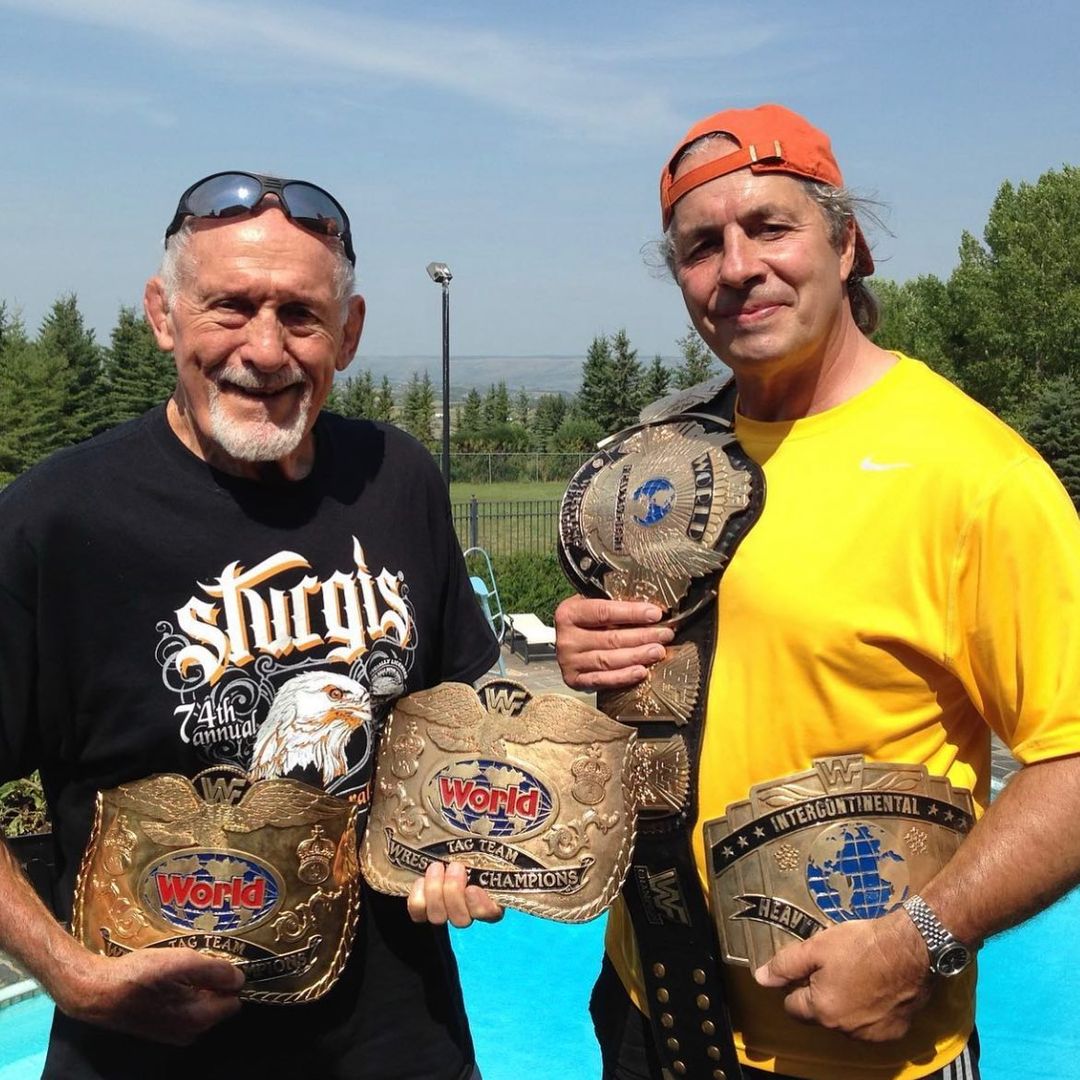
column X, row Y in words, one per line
column 952, row 959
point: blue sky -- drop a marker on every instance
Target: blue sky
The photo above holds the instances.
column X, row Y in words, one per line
column 520, row 143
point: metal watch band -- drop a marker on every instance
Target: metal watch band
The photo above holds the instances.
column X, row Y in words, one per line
column 938, row 939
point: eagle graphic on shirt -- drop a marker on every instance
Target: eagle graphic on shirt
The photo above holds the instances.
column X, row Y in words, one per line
column 311, row 721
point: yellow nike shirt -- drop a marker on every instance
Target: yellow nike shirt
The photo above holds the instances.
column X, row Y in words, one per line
column 914, row 581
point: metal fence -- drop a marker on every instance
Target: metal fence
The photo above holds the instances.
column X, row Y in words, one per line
column 494, row 468
column 508, row 528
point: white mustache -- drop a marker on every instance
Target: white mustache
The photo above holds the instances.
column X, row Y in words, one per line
column 269, row 382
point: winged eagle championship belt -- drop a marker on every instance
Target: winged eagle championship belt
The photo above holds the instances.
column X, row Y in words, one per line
column 263, row 874
column 531, row 793
column 656, row 515
column 848, row 839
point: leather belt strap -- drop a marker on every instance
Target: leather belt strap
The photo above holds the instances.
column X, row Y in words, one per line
column 675, row 933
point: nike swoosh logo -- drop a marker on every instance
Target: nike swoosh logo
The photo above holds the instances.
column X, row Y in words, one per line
column 870, row 465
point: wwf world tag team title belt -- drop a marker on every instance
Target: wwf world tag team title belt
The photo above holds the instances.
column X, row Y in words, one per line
column 263, row 874
column 532, row 794
column 656, row 515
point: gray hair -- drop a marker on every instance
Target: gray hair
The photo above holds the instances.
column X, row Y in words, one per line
column 840, row 205
column 178, row 263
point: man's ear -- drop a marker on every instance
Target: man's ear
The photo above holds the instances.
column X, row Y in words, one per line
column 847, row 250
column 354, row 327
column 157, row 313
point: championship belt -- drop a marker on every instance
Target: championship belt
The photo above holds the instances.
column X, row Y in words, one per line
column 656, row 515
column 530, row 793
column 848, row 839
column 263, row 874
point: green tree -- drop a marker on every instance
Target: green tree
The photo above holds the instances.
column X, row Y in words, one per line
column 496, row 405
column 551, row 410
column 471, row 419
column 627, row 386
column 698, row 363
column 357, row 396
column 522, row 409
column 34, row 401
column 1015, row 297
column 595, row 390
column 611, row 383
column 657, row 379
column 136, row 374
column 418, row 409
column 65, row 337
column 916, row 319
column 576, row 435
column 384, row 401
column 1054, row 430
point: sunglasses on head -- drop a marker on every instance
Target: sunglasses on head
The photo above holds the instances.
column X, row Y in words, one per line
column 227, row 194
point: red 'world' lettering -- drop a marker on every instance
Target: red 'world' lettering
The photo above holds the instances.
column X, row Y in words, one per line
column 459, row 794
column 184, row 889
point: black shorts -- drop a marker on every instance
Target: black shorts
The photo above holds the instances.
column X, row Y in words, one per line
column 626, row 1044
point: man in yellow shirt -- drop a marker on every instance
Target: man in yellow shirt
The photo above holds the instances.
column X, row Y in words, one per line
column 912, row 585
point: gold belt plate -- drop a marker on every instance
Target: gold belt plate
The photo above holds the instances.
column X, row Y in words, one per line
column 263, row 874
column 528, row 792
column 847, row 839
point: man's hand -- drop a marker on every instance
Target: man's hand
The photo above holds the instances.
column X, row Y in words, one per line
column 170, row 995
column 866, row 979
column 442, row 895
column 608, row 644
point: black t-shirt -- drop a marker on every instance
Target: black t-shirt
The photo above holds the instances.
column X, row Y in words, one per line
column 153, row 609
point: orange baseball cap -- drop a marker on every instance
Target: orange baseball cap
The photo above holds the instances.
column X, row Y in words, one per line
column 770, row 139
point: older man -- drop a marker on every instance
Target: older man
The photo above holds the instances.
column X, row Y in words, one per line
column 233, row 579
column 913, row 584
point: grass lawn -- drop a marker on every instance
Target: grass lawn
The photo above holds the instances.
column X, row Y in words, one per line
column 510, row 491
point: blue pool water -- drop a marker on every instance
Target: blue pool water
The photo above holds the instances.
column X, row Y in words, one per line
column 527, row 986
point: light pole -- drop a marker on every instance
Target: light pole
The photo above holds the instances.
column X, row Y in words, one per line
column 440, row 274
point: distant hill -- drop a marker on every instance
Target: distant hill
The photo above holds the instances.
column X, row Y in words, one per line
column 536, row 374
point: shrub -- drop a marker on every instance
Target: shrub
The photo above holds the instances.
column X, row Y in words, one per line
column 22, row 807
column 529, row 582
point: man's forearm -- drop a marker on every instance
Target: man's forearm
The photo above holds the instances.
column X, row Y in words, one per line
column 1021, row 856
column 28, row 931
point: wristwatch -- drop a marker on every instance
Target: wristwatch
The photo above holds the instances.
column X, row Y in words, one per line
column 947, row 955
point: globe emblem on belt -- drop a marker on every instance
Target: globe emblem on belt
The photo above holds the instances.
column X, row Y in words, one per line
column 211, row 891
column 654, row 500
column 854, row 873
column 490, row 799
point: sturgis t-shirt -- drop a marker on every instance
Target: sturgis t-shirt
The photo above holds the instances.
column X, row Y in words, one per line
column 156, row 615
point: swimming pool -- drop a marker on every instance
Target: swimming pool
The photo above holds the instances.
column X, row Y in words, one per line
column 527, row 986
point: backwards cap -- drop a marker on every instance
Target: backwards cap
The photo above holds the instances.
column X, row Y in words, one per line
column 770, row 139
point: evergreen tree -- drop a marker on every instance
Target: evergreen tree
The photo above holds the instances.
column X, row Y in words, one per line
column 357, row 396
column 698, row 363
column 596, row 383
column 627, row 389
column 136, row 374
column 551, row 410
column 34, row 400
column 418, row 409
column 471, row 420
column 384, row 402
column 521, row 409
column 611, row 391
column 65, row 337
column 496, row 405
column 1054, row 430
column 657, row 379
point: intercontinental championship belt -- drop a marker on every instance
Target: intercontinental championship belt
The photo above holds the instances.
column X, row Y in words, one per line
column 530, row 793
column 656, row 515
column 848, row 839
column 263, row 874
